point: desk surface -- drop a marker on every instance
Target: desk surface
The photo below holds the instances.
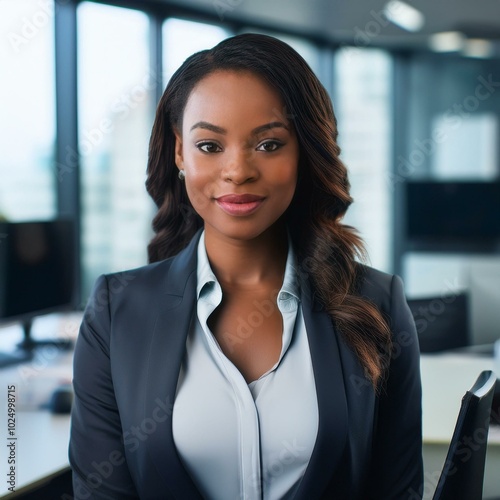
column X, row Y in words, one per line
column 41, row 447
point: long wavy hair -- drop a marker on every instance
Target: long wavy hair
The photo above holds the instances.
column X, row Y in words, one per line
column 327, row 249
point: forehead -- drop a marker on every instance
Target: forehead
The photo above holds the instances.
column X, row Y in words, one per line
column 230, row 95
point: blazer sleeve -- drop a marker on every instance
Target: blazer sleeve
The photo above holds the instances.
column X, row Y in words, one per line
column 397, row 468
column 96, row 450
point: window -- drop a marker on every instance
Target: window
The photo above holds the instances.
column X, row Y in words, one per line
column 183, row 38
column 116, row 88
column 362, row 105
column 27, row 101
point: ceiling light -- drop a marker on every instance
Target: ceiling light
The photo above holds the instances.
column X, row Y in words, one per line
column 478, row 47
column 404, row 15
column 447, row 41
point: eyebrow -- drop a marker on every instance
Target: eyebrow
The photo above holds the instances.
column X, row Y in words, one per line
column 255, row 131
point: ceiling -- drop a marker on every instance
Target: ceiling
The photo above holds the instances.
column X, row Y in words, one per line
column 360, row 21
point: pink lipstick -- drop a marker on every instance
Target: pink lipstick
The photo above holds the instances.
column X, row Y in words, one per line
column 239, row 204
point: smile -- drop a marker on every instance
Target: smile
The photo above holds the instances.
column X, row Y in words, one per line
column 239, row 204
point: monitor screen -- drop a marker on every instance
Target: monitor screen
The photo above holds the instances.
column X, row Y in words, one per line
column 453, row 211
column 36, row 268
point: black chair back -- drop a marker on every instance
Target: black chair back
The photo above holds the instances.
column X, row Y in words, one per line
column 463, row 472
column 442, row 322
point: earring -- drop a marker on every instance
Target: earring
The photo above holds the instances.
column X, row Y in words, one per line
column 181, row 175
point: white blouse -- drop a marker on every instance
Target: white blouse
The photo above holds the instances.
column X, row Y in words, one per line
column 238, row 440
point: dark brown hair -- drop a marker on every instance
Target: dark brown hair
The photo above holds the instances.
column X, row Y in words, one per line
column 326, row 248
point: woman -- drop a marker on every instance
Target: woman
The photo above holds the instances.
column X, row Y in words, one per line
column 255, row 357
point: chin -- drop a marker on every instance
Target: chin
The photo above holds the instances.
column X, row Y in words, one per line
column 243, row 230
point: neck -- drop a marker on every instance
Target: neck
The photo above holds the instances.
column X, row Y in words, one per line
column 249, row 263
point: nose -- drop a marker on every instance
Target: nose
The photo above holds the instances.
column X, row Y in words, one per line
column 239, row 166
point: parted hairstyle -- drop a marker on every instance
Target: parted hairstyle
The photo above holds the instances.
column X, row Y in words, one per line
column 326, row 249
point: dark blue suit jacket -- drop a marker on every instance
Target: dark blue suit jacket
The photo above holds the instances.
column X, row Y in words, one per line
column 127, row 360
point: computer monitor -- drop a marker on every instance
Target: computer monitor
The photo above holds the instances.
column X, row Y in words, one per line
column 453, row 216
column 37, row 274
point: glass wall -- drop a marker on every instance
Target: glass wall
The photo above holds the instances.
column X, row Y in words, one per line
column 452, row 136
column 362, row 101
column 27, row 119
column 115, row 88
column 453, row 129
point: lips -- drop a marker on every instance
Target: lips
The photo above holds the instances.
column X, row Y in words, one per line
column 239, row 204
column 239, row 198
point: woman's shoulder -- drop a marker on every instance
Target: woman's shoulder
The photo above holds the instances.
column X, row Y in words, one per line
column 170, row 276
column 144, row 279
column 378, row 287
column 156, row 270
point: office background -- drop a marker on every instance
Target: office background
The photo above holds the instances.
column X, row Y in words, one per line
column 416, row 94
column 81, row 81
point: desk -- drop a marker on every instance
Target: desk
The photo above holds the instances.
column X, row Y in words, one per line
column 42, row 438
column 445, row 380
column 42, row 448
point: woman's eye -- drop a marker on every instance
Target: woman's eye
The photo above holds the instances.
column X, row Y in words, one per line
column 269, row 146
column 208, row 147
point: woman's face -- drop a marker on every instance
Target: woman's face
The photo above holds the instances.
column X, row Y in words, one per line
column 240, row 155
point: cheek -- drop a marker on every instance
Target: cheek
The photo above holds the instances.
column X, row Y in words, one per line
column 199, row 188
column 197, row 194
column 285, row 178
column 200, row 168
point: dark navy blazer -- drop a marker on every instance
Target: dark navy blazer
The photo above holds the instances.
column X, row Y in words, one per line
column 127, row 360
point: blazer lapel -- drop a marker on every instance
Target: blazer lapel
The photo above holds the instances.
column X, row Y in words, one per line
column 177, row 306
column 332, row 404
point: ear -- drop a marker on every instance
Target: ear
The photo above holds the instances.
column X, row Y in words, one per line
column 179, row 160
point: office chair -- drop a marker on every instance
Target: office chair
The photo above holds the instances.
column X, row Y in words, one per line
column 442, row 322
column 463, row 471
